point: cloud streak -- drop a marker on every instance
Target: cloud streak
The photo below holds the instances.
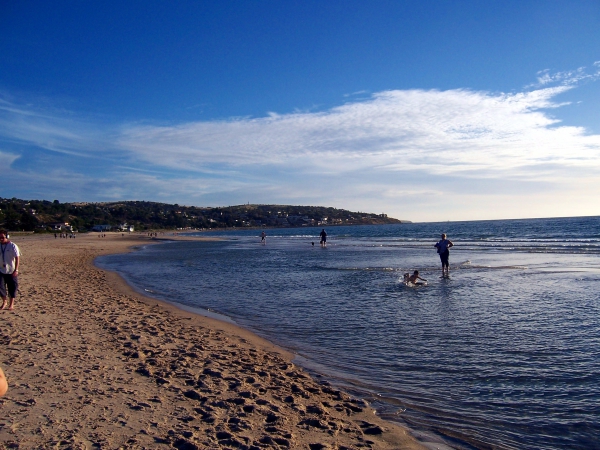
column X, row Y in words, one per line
column 567, row 78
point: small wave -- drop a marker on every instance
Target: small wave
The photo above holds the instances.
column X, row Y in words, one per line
column 569, row 269
column 487, row 267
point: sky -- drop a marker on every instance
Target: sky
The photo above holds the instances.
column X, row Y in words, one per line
column 423, row 110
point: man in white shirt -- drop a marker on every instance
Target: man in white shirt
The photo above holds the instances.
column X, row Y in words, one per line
column 9, row 271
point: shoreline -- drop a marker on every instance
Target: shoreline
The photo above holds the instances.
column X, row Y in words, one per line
column 92, row 362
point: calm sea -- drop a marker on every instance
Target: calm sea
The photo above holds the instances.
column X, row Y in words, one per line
column 505, row 353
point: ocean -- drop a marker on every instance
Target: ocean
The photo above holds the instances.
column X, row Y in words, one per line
column 503, row 354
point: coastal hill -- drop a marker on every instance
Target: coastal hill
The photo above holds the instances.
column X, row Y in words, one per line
column 32, row 215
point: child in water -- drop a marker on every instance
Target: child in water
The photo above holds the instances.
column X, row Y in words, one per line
column 414, row 278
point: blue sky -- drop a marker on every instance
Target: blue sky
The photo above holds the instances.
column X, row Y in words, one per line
column 425, row 110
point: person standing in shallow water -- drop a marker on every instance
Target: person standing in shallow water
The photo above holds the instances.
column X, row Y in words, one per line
column 323, row 235
column 443, row 248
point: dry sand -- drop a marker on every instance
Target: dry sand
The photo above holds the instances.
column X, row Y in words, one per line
column 91, row 364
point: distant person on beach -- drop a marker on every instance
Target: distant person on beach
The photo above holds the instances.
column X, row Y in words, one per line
column 443, row 248
column 323, row 235
column 414, row 278
column 9, row 272
column 263, row 238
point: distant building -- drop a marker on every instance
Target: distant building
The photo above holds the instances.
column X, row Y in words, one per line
column 125, row 227
column 59, row 226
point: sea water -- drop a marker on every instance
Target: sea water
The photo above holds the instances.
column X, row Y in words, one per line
column 505, row 353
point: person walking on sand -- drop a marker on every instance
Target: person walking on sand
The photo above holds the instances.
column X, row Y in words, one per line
column 9, row 272
column 323, row 235
column 443, row 248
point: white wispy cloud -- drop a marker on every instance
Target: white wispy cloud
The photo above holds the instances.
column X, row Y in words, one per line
column 406, row 146
column 455, row 131
column 54, row 130
column 567, row 78
column 357, row 93
column 7, row 158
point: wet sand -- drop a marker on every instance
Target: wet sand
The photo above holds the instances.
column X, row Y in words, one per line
column 91, row 364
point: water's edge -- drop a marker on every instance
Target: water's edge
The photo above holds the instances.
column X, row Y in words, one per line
column 428, row 438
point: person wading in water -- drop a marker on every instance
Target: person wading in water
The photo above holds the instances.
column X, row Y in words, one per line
column 443, row 248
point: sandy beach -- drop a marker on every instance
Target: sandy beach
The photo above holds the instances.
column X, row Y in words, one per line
column 91, row 364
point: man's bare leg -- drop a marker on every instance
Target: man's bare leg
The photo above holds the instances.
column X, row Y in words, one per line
column 3, row 303
column 3, row 383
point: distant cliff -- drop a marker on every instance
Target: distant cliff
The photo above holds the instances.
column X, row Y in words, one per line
column 30, row 215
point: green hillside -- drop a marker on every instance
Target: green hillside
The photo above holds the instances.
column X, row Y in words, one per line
column 32, row 215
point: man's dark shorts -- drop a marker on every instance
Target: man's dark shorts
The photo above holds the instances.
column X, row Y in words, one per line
column 444, row 257
column 10, row 284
